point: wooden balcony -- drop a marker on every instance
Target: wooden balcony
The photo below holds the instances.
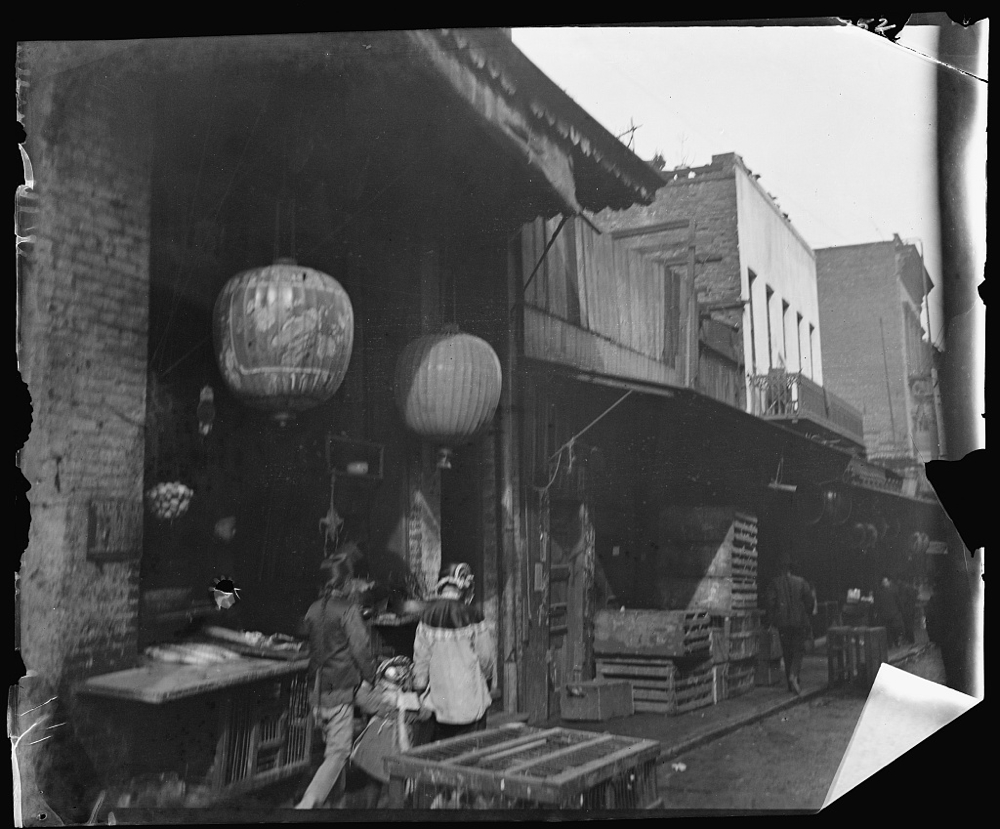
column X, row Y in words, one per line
column 795, row 400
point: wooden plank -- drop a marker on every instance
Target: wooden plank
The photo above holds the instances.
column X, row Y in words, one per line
column 580, row 231
column 586, row 777
column 563, row 752
column 557, row 279
column 160, row 682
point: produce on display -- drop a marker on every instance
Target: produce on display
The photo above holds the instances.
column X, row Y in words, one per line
column 168, row 501
column 191, row 653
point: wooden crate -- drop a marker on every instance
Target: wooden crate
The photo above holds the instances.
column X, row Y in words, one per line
column 596, row 701
column 736, row 621
column 740, row 677
column 659, row 633
column 707, row 523
column 719, row 682
column 734, row 646
column 518, row 767
column 720, row 646
column 743, row 645
column 854, row 655
column 718, row 595
column 662, row 685
column 710, row 559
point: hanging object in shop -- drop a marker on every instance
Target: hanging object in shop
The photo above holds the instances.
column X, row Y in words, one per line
column 448, row 388
column 168, row 501
column 918, row 543
column 206, row 411
column 830, row 503
column 283, row 337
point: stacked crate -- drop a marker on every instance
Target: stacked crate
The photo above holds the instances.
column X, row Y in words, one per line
column 735, row 646
column 769, row 670
column 709, row 559
column 664, row 654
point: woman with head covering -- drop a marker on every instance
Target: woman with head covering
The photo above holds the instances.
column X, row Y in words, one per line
column 454, row 656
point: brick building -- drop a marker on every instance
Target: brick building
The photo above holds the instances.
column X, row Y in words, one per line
column 871, row 302
column 155, row 171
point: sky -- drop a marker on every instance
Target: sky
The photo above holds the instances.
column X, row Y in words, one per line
column 838, row 122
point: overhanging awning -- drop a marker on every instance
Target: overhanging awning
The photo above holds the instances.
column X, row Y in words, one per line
column 584, row 164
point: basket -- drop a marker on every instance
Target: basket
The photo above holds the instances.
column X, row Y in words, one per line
column 521, row 767
column 168, row 501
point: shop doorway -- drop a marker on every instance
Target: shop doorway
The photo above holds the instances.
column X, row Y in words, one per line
column 570, row 599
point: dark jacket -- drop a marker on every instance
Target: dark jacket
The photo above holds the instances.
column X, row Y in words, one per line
column 339, row 648
column 887, row 607
column 789, row 602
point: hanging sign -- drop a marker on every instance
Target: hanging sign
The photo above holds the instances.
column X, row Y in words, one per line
column 114, row 529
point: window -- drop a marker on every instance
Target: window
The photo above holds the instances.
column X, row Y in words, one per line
column 784, row 332
column 769, row 294
column 798, row 340
column 812, row 366
column 753, row 336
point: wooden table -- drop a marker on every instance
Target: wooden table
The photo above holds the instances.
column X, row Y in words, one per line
column 160, row 682
column 233, row 726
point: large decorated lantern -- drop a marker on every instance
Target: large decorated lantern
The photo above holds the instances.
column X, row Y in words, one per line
column 283, row 337
column 448, row 388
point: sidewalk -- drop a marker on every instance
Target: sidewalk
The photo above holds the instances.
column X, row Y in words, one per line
column 679, row 734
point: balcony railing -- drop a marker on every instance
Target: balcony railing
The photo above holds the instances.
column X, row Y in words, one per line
column 791, row 396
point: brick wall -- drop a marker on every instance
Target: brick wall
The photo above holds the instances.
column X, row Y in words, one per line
column 708, row 198
column 858, row 286
column 84, row 310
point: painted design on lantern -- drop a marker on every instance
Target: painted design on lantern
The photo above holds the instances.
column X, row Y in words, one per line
column 284, row 336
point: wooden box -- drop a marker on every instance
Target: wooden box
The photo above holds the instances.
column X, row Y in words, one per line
column 736, row 621
column 662, row 685
column 659, row 633
column 854, row 655
column 720, row 646
column 740, row 677
column 522, row 767
column 596, row 701
column 719, row 682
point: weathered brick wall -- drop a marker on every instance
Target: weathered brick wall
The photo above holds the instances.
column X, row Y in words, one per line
column 84, row 310
column 858, row 286
column 707, row 197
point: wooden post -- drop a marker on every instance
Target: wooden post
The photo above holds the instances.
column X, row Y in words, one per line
column 512, row 549
column 690, row 307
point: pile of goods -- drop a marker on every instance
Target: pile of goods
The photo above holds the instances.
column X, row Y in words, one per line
column 191, row 653
column 663, row 654
column 168, row 501
column 254, row 643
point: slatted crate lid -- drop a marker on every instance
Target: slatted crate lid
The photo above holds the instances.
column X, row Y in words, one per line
column 547, row 766
column 652, row 633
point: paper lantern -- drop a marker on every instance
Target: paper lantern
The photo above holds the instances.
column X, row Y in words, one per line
column 448, row 387
column 283, row 337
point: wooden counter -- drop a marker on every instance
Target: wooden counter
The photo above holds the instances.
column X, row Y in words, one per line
column 160, row 682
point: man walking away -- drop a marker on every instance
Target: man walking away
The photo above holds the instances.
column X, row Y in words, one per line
column 887, row 609
column 454, row 656
column 339, row 658
column 789, row 603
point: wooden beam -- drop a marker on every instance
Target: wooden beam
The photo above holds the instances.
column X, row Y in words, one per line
column 662, row 227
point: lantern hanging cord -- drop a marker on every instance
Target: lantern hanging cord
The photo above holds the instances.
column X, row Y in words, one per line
column 569, row 444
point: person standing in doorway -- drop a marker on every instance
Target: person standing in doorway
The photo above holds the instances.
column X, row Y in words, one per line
column 339, row 658
column 789, row 602
column 454, row 656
